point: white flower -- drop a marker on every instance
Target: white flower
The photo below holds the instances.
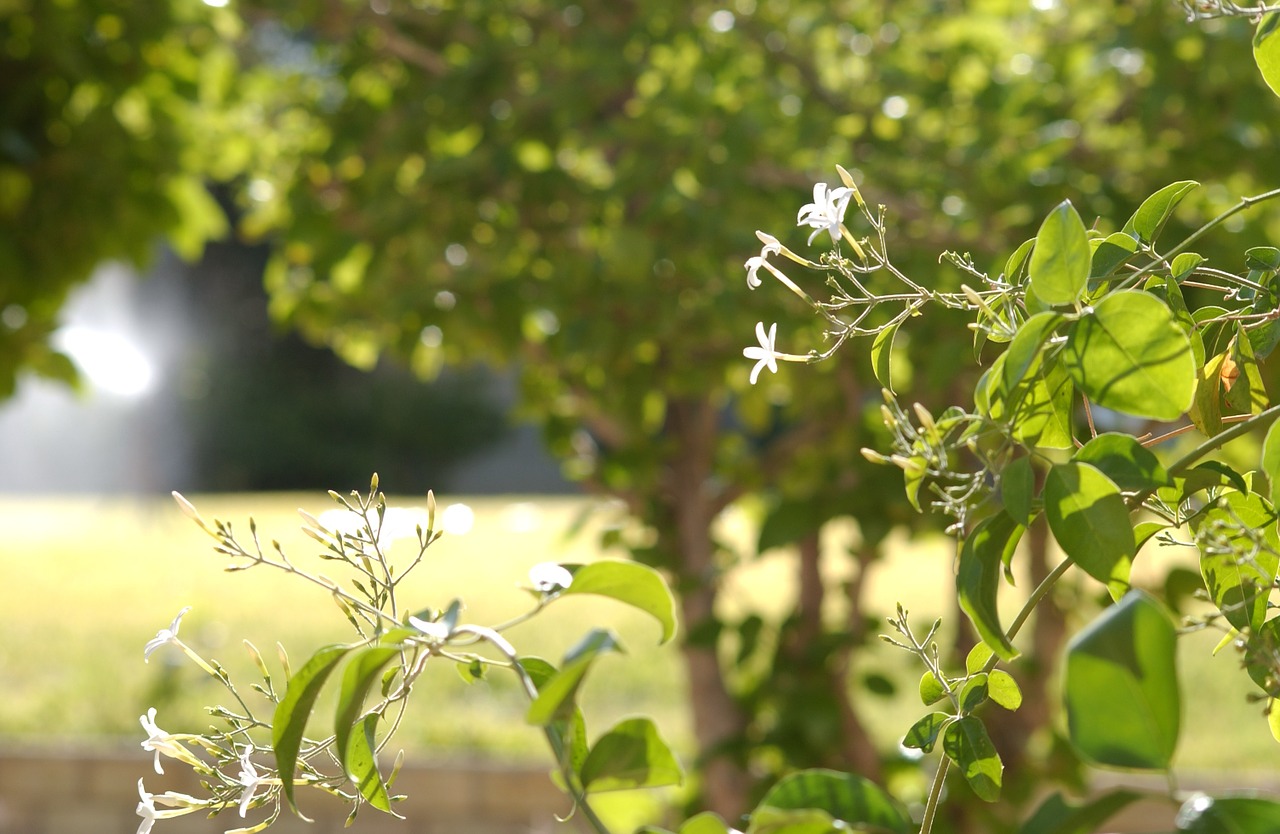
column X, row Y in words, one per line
column 548, row 577
column 163, row 636
column 146, row 810
column 160, row 741
column 772, row 246
column 251, row 779
column 826, row 211
column 436, row 632
column 765, row 355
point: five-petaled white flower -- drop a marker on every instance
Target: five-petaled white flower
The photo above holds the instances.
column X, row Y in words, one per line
column 772, row 246
column 548, row 577
column 164, row 635
column 437, row 632
column 826, row 211
column 251, row 779
column 765, row 355
column 161, row 742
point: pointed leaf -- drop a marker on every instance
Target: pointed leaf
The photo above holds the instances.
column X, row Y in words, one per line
column 1090, row 521
column 965, row 741
column 1245, row 391
column 1056, row 816
column 1130, row 355
column 1025, row 351
column 978, row 578
column 974, row 693
column 1017, row 489
column 924, row 734
column 1061, row 260
column 639, row 586
column 847, row 798
column 364, row 670
column 290, row 718
column 881, row 356
column 557, row 696
column 1238, row 574
column 1003, row 689
column 1156, row 210
column 1266, row 50
column 1121, row 686
column 931, row 691
column 631, row 755
column 361, row 764
column 1110, row 254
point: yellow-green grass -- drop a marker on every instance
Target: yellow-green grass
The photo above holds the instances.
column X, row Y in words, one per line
column 85, row 582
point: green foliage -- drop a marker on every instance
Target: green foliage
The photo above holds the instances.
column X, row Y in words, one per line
column 636, row 585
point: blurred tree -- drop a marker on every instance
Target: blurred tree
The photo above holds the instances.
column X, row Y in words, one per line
column 572, row 187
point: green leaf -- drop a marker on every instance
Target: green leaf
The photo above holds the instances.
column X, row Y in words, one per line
column 857, row 802
column 1025, row 352
column 1003, row 689
column 1238, row 574
column 1264, row 258
column 1130, row 355
column 358, row 678
column 556, row 696
column 631, row 755
column 1038, row 409
column 974, row 693
column 1061, row 260
column 637, row 585
column 361, row 764
column 1203, row 814
column 1056, row 816
column 1206, row 404
column 289, row 720
column 704, row 823
column 1245, row 391
column 931, row 691
column 976, row 660
column 1266, row 50
column 1015, row 269
column 788, row 522
column 881, row 356
column 1262, row 656
column 471, row 671
column 1183, row 265
column 1090, row 521
column 1121, row 686
column 1271, row 461
column 1147, row 222
column 924, row 734
column 965, row 741
column 1017, row 489
column 978, row 578
column 1110, row 254
column 1130, row 465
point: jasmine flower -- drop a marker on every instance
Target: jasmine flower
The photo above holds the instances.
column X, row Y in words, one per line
column 251, row 779
column 826, row 211
column 549, row 578
column 765, row 354
column 161, row 742
column 435, row 632
column 164, row 635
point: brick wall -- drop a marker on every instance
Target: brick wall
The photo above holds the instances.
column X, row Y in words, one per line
column 45, row 792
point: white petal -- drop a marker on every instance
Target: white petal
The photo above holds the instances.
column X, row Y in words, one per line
column 549, row 576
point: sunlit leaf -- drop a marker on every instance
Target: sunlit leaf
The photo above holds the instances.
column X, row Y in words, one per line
column 978, row 578
column 881, row 356
column 1090, row 521
column 1266, row 50
column 965, row 741
column 845, row 798
column 556, row 696
column 1203, row 814
column 639, row 586
column 1239, row 574
column 290, row 718
column 1061, row 260
column 1156, row 210
column 1056, row 816
column 631, row 755
column 1124, row 460
column 924, row 734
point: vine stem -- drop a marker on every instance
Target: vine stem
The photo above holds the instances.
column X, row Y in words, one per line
column 935, row 794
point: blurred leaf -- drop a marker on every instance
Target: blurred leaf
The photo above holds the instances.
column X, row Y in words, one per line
column 1238, row 575
column 556, row 696
column 631, row 755
column 1203, row 814
column 857, row 803
column 639, row 586
column 882, row 356
column 1266, row 50
column 1121, row 686
column 1017, row 489
column 1056, row 816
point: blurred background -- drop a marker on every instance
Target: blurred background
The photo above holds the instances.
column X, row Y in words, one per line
column 253, row 250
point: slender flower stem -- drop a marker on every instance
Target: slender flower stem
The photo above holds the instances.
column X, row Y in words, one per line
column 935, row 794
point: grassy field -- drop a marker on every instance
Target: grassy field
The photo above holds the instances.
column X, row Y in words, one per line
column 84, row 583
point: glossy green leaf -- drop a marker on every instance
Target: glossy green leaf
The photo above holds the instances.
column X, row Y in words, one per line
column 1015, row 268
column 557, row 696
column 978, row 578
column 1183, row 265
column 631, row 755
column 1271, row 461
column 976, row 660
column 1061, row 260
column 1090, row 521
column 289, row 720
column 857, row 802
column 1121, row 686
column 881, row 356
column 1203, row 814
column 966, row 743
column 1003, row 689
column 1057, row 816
column 364, row 670
column 1110, row 254
column 1266, row 50
column 931, row 691
column 361, row 764
column 924, row 734
column 1025, row 350
column 1144, row 530
column 1017, row 489
column 639, row 586
column 1130, row 355
column 1129, row 465
column 973, row 693
column 1238, row 575
column 1038, row 409
column 1147, row 222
